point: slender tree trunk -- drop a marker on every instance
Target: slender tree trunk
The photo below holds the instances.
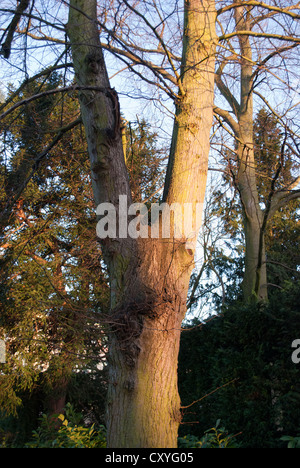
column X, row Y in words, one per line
column 149, row 278
column 255, row 275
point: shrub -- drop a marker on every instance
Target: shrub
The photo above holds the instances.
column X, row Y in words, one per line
column 67, row 432
column 213, row 438
column 293, row 442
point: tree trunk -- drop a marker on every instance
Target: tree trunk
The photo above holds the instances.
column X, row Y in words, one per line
column 143, row 400
column 255, row 275
column 149, row 278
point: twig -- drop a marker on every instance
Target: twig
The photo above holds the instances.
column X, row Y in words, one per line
column 210, row 393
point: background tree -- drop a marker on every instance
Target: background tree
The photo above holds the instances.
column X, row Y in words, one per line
column 282, row 231
column 250, row 381
column 252, row 62
column 223, row 237
column 144, row 161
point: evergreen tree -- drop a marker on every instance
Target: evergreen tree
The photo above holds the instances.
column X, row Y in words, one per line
column 144, row 161
column 283, row 228
column 53, row 285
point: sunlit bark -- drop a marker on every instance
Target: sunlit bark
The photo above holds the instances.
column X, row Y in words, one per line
column 149, row 277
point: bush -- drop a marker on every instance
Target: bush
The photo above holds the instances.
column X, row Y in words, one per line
column 67, row 432
column 293, row 442
column 237, row 366
column 213, row 438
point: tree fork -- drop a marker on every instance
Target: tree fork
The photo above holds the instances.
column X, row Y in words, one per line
column 149, row 278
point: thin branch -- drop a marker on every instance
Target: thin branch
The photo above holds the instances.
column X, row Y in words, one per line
column 282, row 198
column 224, row 90
column 45, row 72
column 277, row 51
column 272, row 262
column 195, row 285
column 38, row 18
column 161, row 43
column 279, row 37
column 65, row 89
column 285, row 10
column 211, row 393
column 160, row 73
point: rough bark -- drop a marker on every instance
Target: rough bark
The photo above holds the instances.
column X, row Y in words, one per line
column 149, row 278
column 143, row 400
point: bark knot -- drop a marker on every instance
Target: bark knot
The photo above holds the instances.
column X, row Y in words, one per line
column 127, row 323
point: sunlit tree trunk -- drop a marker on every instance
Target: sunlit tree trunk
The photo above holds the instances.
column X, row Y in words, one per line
column 255, row 275
column 149, row 278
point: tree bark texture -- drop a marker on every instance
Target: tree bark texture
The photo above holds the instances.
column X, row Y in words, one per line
column 149, row 278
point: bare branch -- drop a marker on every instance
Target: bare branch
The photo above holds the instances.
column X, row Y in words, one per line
column 6, row 47
column 228, row 119
column 45, row 72
column 264, row 35
column 162, row 43
column 224, row 90
column 286, row 10
column 283, row 197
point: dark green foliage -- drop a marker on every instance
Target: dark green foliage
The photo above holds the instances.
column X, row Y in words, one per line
column 216, row 437
column 67, row 431
column 15, row 431
column 144, row 161
column 53, row 288
column 240, row 361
